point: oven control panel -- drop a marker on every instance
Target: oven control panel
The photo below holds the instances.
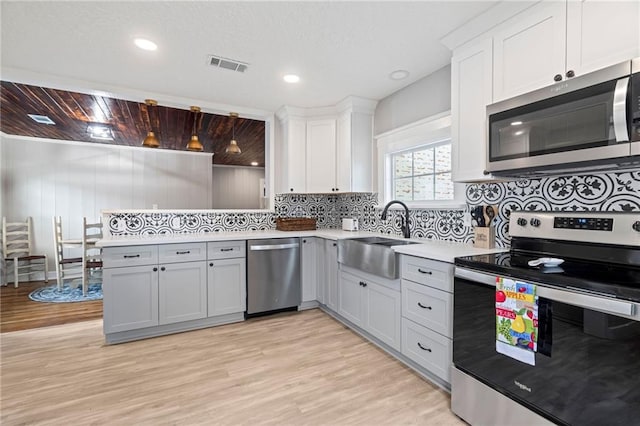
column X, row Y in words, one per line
column 600, row 227
column 590, row 223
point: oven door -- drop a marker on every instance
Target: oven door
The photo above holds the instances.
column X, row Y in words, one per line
column 588, row 363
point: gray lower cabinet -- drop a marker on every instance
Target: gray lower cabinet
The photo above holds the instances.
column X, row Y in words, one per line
column 226, row 285
column 166, row 288
column 330, row 268
column 327, row 274
column 182, row 292
column 309, row 259
column 427, row 310
column 130, row 298
column 372, row 303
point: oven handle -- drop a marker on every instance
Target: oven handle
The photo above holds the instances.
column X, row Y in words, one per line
column 569, row 297
column 620, row 110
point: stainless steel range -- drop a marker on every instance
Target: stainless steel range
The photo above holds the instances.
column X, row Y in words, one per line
column 586, row 362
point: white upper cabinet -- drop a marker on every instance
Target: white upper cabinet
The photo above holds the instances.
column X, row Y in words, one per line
column 601, row 34
column 471, row 84
column 529, row 50
column 321, row 156
column 553, row 41
column 292, row 178
column 336, row 150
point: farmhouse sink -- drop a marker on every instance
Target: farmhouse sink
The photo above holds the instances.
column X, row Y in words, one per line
column 372, row 254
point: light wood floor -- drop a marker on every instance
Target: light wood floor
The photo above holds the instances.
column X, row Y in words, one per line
column 289, row 369
column 18, row 312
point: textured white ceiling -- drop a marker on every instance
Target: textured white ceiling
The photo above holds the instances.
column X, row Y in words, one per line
column 337, row 48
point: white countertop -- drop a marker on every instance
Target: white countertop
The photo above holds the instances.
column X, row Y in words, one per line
column 430, row 249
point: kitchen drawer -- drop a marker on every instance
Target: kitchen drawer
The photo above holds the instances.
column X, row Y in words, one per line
column 429, row 349
column 184, row 252
column 428, row 272
column 118, row 257
column 226, row 249
column 428, row 307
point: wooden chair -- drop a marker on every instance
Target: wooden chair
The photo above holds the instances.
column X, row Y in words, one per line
column 17, row 245
column 66, row 267
column 92, row 255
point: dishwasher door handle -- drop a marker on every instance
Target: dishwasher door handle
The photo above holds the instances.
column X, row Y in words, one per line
column 274, row 247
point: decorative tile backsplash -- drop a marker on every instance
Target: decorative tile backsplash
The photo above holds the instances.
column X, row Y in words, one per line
column 608, row 192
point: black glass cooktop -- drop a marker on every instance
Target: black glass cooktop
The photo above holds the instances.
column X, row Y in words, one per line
column 609, row 279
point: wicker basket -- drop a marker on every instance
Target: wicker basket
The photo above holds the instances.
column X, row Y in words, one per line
column 295, row 223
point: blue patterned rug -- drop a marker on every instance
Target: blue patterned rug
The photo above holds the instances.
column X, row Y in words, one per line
column 50, row 294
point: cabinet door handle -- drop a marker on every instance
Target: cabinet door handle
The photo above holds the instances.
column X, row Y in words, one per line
column 291, row 189
column 363, row 284
column 422, row 271
column 423, row 348
column 304, row 241
column 424, row 307
column 211, row 264
column 337, row 189
column 570, row 73
column 557, row 77
column 226, row 249
column 335, row 244
column 131, row 256
column 155, row 269
column 183, row 252
column 162, row 268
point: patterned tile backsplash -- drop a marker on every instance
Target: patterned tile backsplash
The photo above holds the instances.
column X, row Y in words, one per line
column 608, row 192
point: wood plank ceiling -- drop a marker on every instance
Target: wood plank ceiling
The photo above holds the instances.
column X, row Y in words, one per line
column 130, row 121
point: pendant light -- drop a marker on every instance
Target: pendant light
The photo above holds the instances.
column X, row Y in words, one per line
column 150, row 141
column 233, row 147
column 194, row 144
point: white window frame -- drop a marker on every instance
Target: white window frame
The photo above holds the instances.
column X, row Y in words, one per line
column 430, row 130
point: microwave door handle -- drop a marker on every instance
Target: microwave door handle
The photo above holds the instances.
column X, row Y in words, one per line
column 620, row 110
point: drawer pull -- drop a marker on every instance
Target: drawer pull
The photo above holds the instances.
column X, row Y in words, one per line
column 363, row 284
column 155, row 269
column 226, row 249
column 424, row 307
column 422, row 271
column 162, row 268
column 131, row 256
column 423, row 348
column 211, row 264
column 183, row 252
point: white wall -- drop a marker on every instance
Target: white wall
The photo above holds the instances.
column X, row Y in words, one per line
column 44, row 178
column 424, row 98
column 237, row 187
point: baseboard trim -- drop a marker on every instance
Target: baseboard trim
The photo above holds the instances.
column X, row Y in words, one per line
column 161, row 330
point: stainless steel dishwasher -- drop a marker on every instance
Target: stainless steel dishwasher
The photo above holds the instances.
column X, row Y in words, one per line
column 273, row 275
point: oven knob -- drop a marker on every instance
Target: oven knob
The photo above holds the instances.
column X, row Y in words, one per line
column 522, row 221
column 535, row 222
column 636, row 226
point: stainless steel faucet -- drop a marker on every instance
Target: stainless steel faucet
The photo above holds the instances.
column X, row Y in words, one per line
column 404, row 225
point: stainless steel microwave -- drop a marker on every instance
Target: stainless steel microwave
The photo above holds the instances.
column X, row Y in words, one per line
column 591, row 122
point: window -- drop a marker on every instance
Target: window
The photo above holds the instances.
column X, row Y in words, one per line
column 423, row 173
column 415, row 164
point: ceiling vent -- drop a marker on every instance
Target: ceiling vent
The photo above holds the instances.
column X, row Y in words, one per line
column 42, row 119
column 226, row 63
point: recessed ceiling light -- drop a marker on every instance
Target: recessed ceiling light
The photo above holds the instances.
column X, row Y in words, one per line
column 145, row 44
column 399, row 75
column 100, row 131
column 291, row 78
column 42, row 119
column 516, row 123
column 519, row 132
column 254, row 163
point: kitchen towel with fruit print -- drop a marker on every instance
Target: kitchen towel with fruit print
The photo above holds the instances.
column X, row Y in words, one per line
column 516, row 319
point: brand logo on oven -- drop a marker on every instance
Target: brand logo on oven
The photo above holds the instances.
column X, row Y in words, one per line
column 521, row 386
